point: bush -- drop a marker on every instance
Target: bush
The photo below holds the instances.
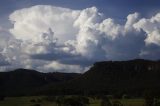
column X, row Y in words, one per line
column 149, row 98
column 124, row 96
column 149, row 102
column 50, row 98
column 156, row 102
column 2, row 98
column 117, row 103
column 36, row 105
column 33, row 100
column 72, row 101
column 105, row 101
column 110, row 96
column 59, row 100
column 39, row 100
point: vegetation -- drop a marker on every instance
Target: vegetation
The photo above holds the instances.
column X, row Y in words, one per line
column 69, row 101
column 105, row 101
column 72, row 101
column 2, row 98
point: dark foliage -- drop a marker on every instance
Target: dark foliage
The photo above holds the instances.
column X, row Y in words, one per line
column 2, row 98
column 156, row 102
column 33, row 100
column 36, row 105
column 50, row 98
column 105, row 101
column 72, row 101
column 117, row 103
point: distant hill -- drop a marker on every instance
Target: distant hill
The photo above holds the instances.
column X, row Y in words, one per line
column 23, row 81
column 117, row 77
column 132, row 77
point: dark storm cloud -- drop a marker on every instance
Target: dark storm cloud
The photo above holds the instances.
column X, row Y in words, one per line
column 77, row 61
column 52, row 56
column 64, row 58
column 3, row 62
column 126, row 47
column 151, row 52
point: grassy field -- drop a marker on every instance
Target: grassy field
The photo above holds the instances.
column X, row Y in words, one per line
column 28, row 101
column 23, row 101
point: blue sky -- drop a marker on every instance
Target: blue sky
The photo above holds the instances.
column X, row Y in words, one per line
column 111, row 7
column 70, row 35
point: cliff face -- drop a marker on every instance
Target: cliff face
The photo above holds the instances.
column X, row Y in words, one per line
column 120, row 76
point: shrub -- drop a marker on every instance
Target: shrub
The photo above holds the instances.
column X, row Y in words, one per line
column 125, row 96
column 2, row 98
column 149, row 98
column 33, row 100
column 39, row 100
column 50, row 98
column 36, row 105
column 72, row 101
column 105, row 101
column 156, row 102
column 117, row 103
column 59, row 100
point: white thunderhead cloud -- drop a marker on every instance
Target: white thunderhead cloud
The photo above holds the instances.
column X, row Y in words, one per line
column 48, row 36
column 151, row 27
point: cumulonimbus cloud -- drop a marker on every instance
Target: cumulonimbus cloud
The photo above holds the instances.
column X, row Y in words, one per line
column 58, row 36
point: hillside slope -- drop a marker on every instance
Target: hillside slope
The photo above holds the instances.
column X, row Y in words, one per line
column 132, row 77
column 23, row 81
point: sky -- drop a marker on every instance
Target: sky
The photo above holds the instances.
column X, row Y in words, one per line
column 71, row 35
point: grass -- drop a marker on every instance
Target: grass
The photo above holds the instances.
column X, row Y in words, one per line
column 26, row 101
column 133, row 102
